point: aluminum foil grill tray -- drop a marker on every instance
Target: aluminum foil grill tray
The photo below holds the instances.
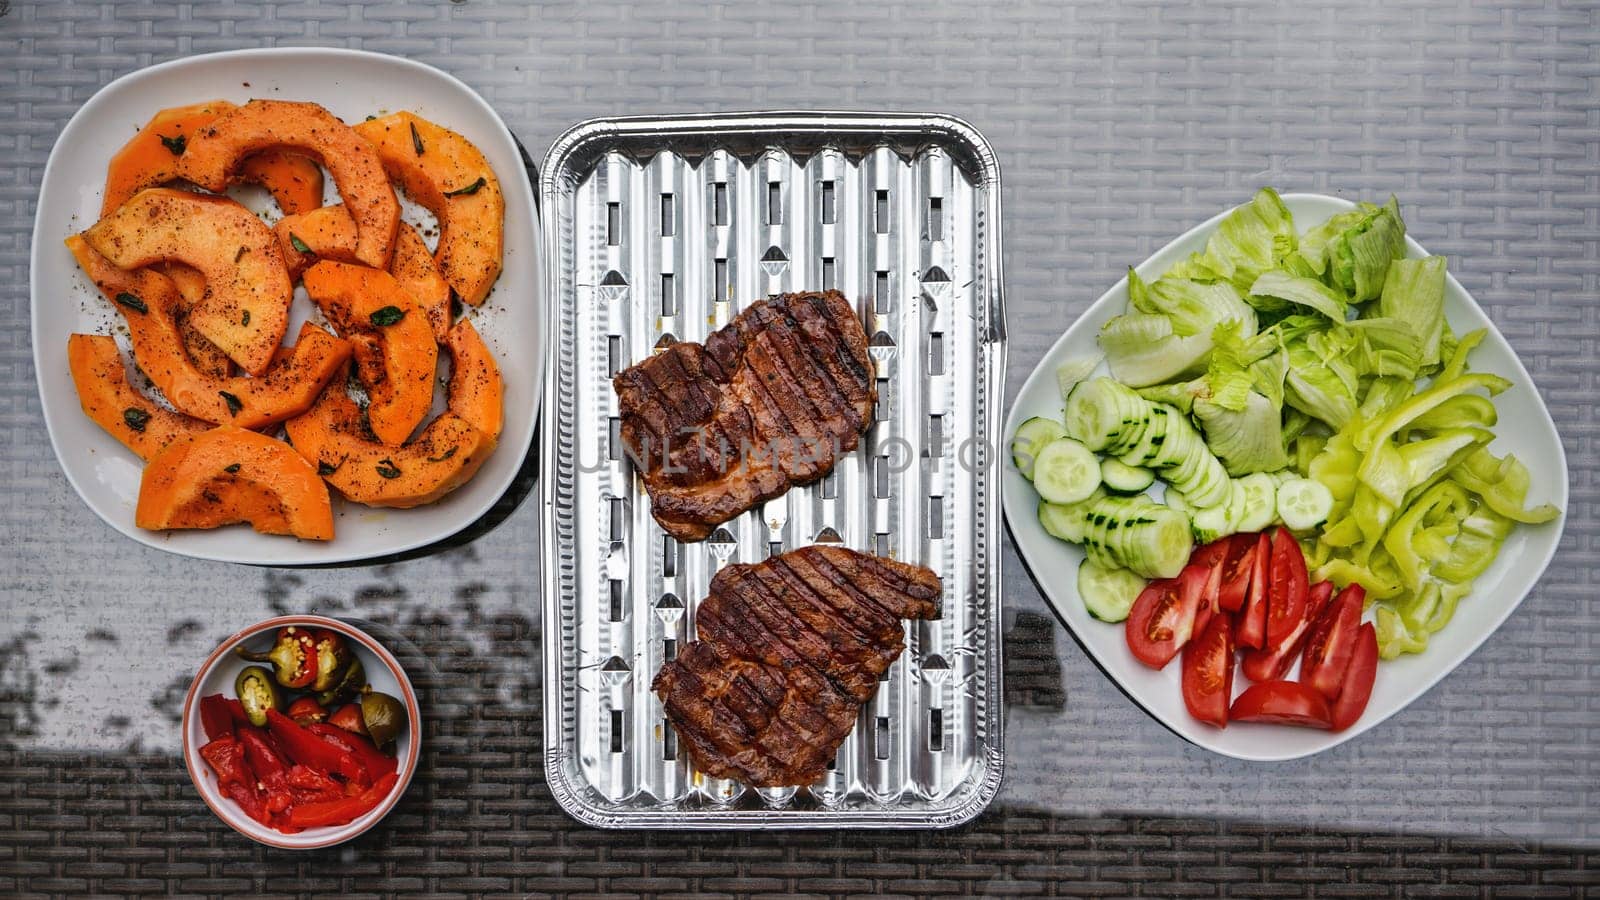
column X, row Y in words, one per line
column 661, row 230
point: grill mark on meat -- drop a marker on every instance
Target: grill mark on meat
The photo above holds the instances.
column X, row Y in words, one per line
column 789, row 630
column 834, row 417
column 833, row 574
column 854, row 660
column 782, row 580
column 830, row 307
column 836, row 388
column 822, row 344
column 787, row 650
column 884, row 626
column 894, row 583
column 789, row 379
column 806, row 443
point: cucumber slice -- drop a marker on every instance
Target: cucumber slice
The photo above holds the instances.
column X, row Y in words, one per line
column 1211, row 522
column 1063, row 521
column 1164, row 545
column 1108, row 594
column 1120, row 476
column 1099, row 410
column 1130, row 436
column 1031, row 437
column 1211, row 485
column 1260, row 493
column 1304, row 503
column 1179, row 442
column 1174, row 499
column 1151, row 439
column 1065, row 472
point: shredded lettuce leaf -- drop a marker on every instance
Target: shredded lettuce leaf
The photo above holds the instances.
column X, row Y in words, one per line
column 1413, row 293
column 1288, row 289
column 1253, row 239
column 1170, row 334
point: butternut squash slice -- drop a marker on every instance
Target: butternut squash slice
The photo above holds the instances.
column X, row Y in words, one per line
column 294, row 180
column 334, row 437
column 117, row 406
column 414, row 267
column 228, row 476
column 216, row 151
column 327, row 232
column 396, row 354
column 151, row 158
column 330, row 233
column 444, row 172
column 149, row 302
column 191, row 285
column 475, row 391
column 246, row 308
column 208, row 359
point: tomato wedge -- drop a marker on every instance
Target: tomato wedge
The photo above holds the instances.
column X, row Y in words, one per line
column 1208, row 672
column 1332, row 641
column 1212, row 554
column 1273, row 662
column 1253, row 620
column 1358, row 679
column 1236, row 568
column 1282, row 703
column 1286, row 600
column 1162, row 619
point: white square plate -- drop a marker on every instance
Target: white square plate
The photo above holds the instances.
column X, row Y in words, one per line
column 1525, row 429
column 352, row 85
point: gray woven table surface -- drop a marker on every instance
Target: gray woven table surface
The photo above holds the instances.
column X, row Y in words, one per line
column 1117, row 126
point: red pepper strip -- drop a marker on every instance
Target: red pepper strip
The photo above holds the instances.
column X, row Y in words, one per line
column 246, row 797
column 310, row 786
column 375, row 762
column 307, row 749
column 236, row 711
column 226, row 756
column 264, row 760
column 340, row 812
column 215, row 719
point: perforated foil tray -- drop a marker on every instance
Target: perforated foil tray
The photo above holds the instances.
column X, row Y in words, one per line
column 662, row 229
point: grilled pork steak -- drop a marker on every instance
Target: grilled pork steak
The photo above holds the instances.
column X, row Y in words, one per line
column 768, row 401
column 788, row 650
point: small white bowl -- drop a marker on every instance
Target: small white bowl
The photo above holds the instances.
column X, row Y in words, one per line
column 216, row 677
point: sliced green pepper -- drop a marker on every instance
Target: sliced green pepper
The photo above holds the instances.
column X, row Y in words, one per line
column 332, row 656
column 383, row 715
column 349, row 682
column 257, row 693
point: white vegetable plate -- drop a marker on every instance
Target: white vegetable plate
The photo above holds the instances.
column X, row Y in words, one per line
column 1525, row 428
column 352, row 85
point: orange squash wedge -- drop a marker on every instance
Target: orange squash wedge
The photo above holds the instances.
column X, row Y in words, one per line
column 151, row 158
column 216, row 151
column 191, row 285
column 115, row 405
column 327, row 232
column 334, row 437
column 444, row 172
column 476, row 392
column 396, row 353
column 228, row 476
column 246, row 309
column 294, row 180
column 414, row 267
column 149, row 304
